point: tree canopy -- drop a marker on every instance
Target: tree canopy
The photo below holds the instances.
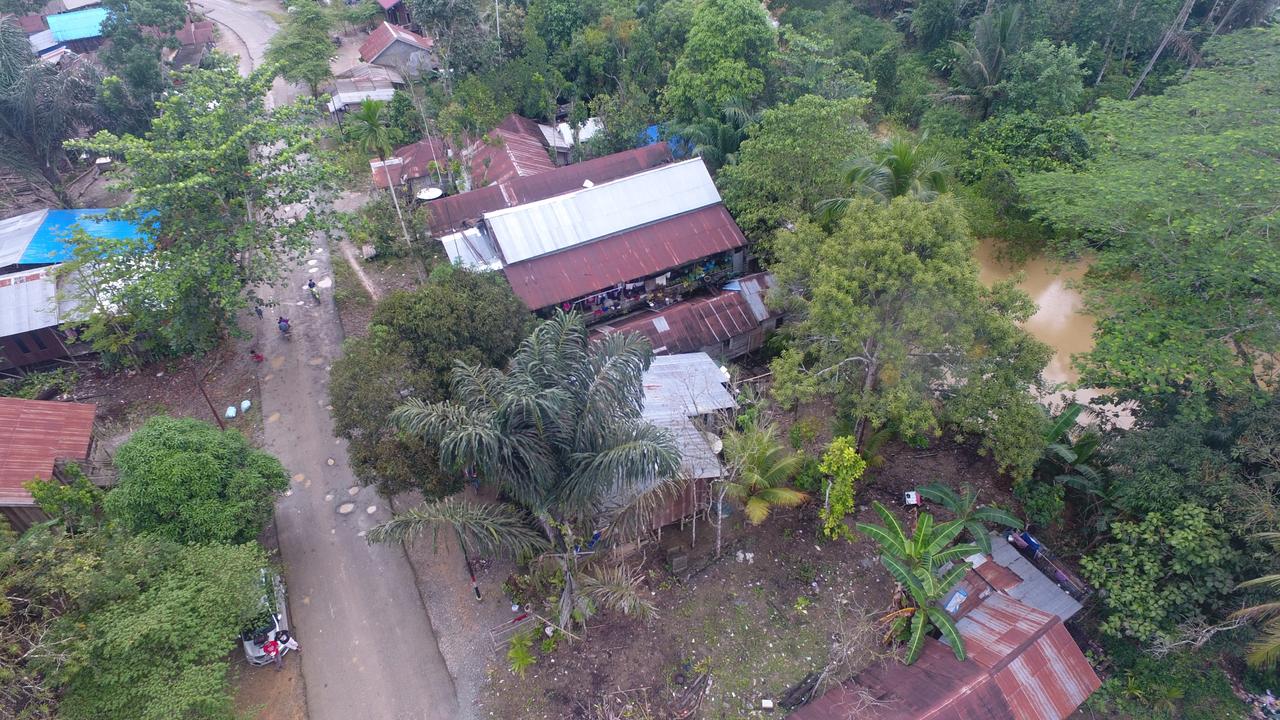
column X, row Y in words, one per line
column 190, row 482
column 887, row 314
column 224, row 191
column 303, row 48
column 724, row 57
column 1179, row 206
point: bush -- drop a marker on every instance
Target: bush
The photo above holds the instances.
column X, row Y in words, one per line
column 185, row 480
column 1042, row 502
column 804, row 431
column 1181, row 686
column 843, row 467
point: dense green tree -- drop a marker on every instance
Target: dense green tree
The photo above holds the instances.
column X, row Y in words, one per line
column 886, row 312
column 724, row 58
column 713, row 138
column 559, row 433
column 1178, row 202
column 188, row 481
column 808, row 65
column 304, row 47
column 224, row 191
column 133, row 56
column 1045, row 79
column 414, row 340
column 136, row 628
column 1173, row 567
column 790, row 161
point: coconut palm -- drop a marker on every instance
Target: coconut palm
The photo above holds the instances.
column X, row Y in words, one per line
column 368, row 127
column 559, row 435
column 1265, row 650
column 915, row 561
column 981, row 64
column 898, row 167
column 974, row 517
column 760, row 467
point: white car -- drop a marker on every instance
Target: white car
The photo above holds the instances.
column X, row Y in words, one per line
column 273, row 620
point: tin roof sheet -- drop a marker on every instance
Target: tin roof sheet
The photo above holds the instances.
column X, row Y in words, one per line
column 453, row 213
column 31, row 23
column 35, row 433
column 28, row 301
column 1036, row 589
column 698, row 323
column 641, row 252
column 414, row 161
column 504, row 154
column 534, row 229
column 684, row 385
column 78, row 25
column 41, row 41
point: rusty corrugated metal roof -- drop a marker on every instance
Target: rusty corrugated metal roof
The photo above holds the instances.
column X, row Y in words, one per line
column 1023, row 665
column 415, row 162
column 35, row 433
column 664, row 245
column 694, row 324
column 384, row 35
column 453, row 213
column 515, row 148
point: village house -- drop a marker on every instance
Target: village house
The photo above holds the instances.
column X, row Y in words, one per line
column 645, row 240
column 361, row 82
column 400, row 49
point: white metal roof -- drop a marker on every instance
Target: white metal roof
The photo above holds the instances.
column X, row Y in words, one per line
column 355, row 97
column 684, row 385
column 16, row 233
column 538, row 228
column 470, row 248
column 41, row 41
column 698, row 460
column 1036, row 588
column 28, row 301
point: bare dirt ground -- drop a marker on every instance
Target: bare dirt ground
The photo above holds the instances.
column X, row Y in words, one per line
column 263, row 693
column 756, row 625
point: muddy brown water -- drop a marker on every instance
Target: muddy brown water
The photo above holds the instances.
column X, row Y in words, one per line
column 1060, row 322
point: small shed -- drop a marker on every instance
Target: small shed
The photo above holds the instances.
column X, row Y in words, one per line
column 34, row 436
column 80, row 30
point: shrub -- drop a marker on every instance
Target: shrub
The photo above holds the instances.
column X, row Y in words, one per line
column 843, row 466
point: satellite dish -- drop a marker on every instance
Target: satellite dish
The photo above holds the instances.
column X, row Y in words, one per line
column 430, row 193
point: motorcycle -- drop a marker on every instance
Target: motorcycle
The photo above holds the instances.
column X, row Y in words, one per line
column 285, row 329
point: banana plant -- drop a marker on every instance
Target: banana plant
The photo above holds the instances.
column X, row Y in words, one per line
column 974, row 517
column 915, row 561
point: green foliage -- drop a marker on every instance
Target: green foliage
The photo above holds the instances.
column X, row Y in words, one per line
column 209, row 186
column 187, row 481
column 898, row 168
column 1172, row 567
column 1173, row 203
column 132, row 56
column 790, row 161
column 1042, row 502
column 139, row 627
column 804, row 431
column 982, row 65
column 915, row 561
column 520, row 651
column 1044, row 79
column 843, row 467
column 724, row 57
column 39, row 385
column 77, row 503
column 472, row 111
column 1178, row 686
column 964, row 506
column 303, row 48
column 414, row 340
column 887, row 311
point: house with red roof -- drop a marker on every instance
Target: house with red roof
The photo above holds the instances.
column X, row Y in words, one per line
column 399, row 48
column 35, row 437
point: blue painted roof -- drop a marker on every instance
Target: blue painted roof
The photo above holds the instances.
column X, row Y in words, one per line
column 39, row 238
column 78, row 25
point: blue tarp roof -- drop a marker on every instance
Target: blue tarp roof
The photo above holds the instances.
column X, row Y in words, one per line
column 39, row 238
column 78, row 25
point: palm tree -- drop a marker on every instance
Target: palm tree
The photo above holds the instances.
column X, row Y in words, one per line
column 371, row 133
column 980, row 65
column 915, row 562
column 716, row 137
column 964, row 505
column 559, row 435
column 898, row 167
column 1265, row 650
column 759, row 468
column 1070, row 458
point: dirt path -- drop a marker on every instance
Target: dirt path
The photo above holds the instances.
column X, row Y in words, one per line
column 349, row 252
